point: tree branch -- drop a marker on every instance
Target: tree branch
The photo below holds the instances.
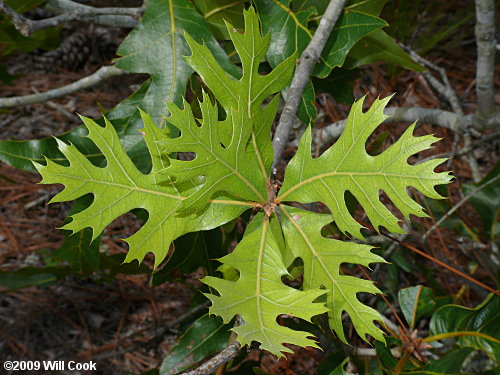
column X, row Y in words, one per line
column 401, row 114
column 218, row 360
column 307, row 61
column 27, row 26
column 485, row 39
column 221, row 358
column 443, row 88
column 100, row 75
column 66, row 6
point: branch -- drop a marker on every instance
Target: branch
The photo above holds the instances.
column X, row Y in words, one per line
column 444, row 88
column 65, row 6
column 100, row 75
column 400, row 114
column 307, row 61
column 218, row 360
column 27, row 26
column 221, row 358
column 485, row 39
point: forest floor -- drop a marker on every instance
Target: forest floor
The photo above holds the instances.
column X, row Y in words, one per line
column 113, row 323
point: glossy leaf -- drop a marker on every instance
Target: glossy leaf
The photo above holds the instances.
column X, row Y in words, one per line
column 159, row 37
column 32, row 276
column 191, row 251
column 259, row 296
column 290, row 34
column 322, row 258
column 378, row 46
column 483, row 319
column 346, row 166
column 125, row 118
column 206, row 336
column 414, row 302
column 120, row 187
column 217, row 12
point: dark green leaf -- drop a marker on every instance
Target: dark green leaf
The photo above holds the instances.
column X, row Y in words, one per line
column 206, row 336
column 379, row 47
column 290, row 35
column 216, row 12
column 5, row 76
column 79, row 252
column 484, row 319
column 157, row 46
column 415, row 302
column 32, row 276
column 125, row 118
column 449, row 364
column 11, row 40
column 191, row 251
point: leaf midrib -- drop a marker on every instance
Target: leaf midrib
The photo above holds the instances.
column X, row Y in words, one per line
column 153, row 192
column 325, row 268
column 350, row 174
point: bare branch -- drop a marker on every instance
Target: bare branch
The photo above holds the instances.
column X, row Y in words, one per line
column 100, row 75
column 485, row 39
column 401, row 114
column 27, row 26
column 307, row 61
column 223, row 357
column 443, row 88
column 458, row 205
column 67, row 6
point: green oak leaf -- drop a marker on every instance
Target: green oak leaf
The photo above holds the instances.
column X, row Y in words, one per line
column 259, row 296
column 322, row 258
column 120, row 187
column 346, row 166
column 221, row 146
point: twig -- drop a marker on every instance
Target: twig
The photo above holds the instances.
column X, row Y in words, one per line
column 65, row 6
column 212, row 364
column 401, row 114
column 100, row 75
column 220, row 359
column 444, row 88
column 458, row 205
column 485, row 39
column 27, row 26
column 307, row 61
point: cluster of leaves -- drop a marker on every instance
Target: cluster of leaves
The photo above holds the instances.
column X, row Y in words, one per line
column 231, row 173
column 228, row 129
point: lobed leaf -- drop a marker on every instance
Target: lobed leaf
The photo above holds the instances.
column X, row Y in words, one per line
column 259, row 296
column 346, row 166
column 120, row 187
column 322, row 258
column 235, row 154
